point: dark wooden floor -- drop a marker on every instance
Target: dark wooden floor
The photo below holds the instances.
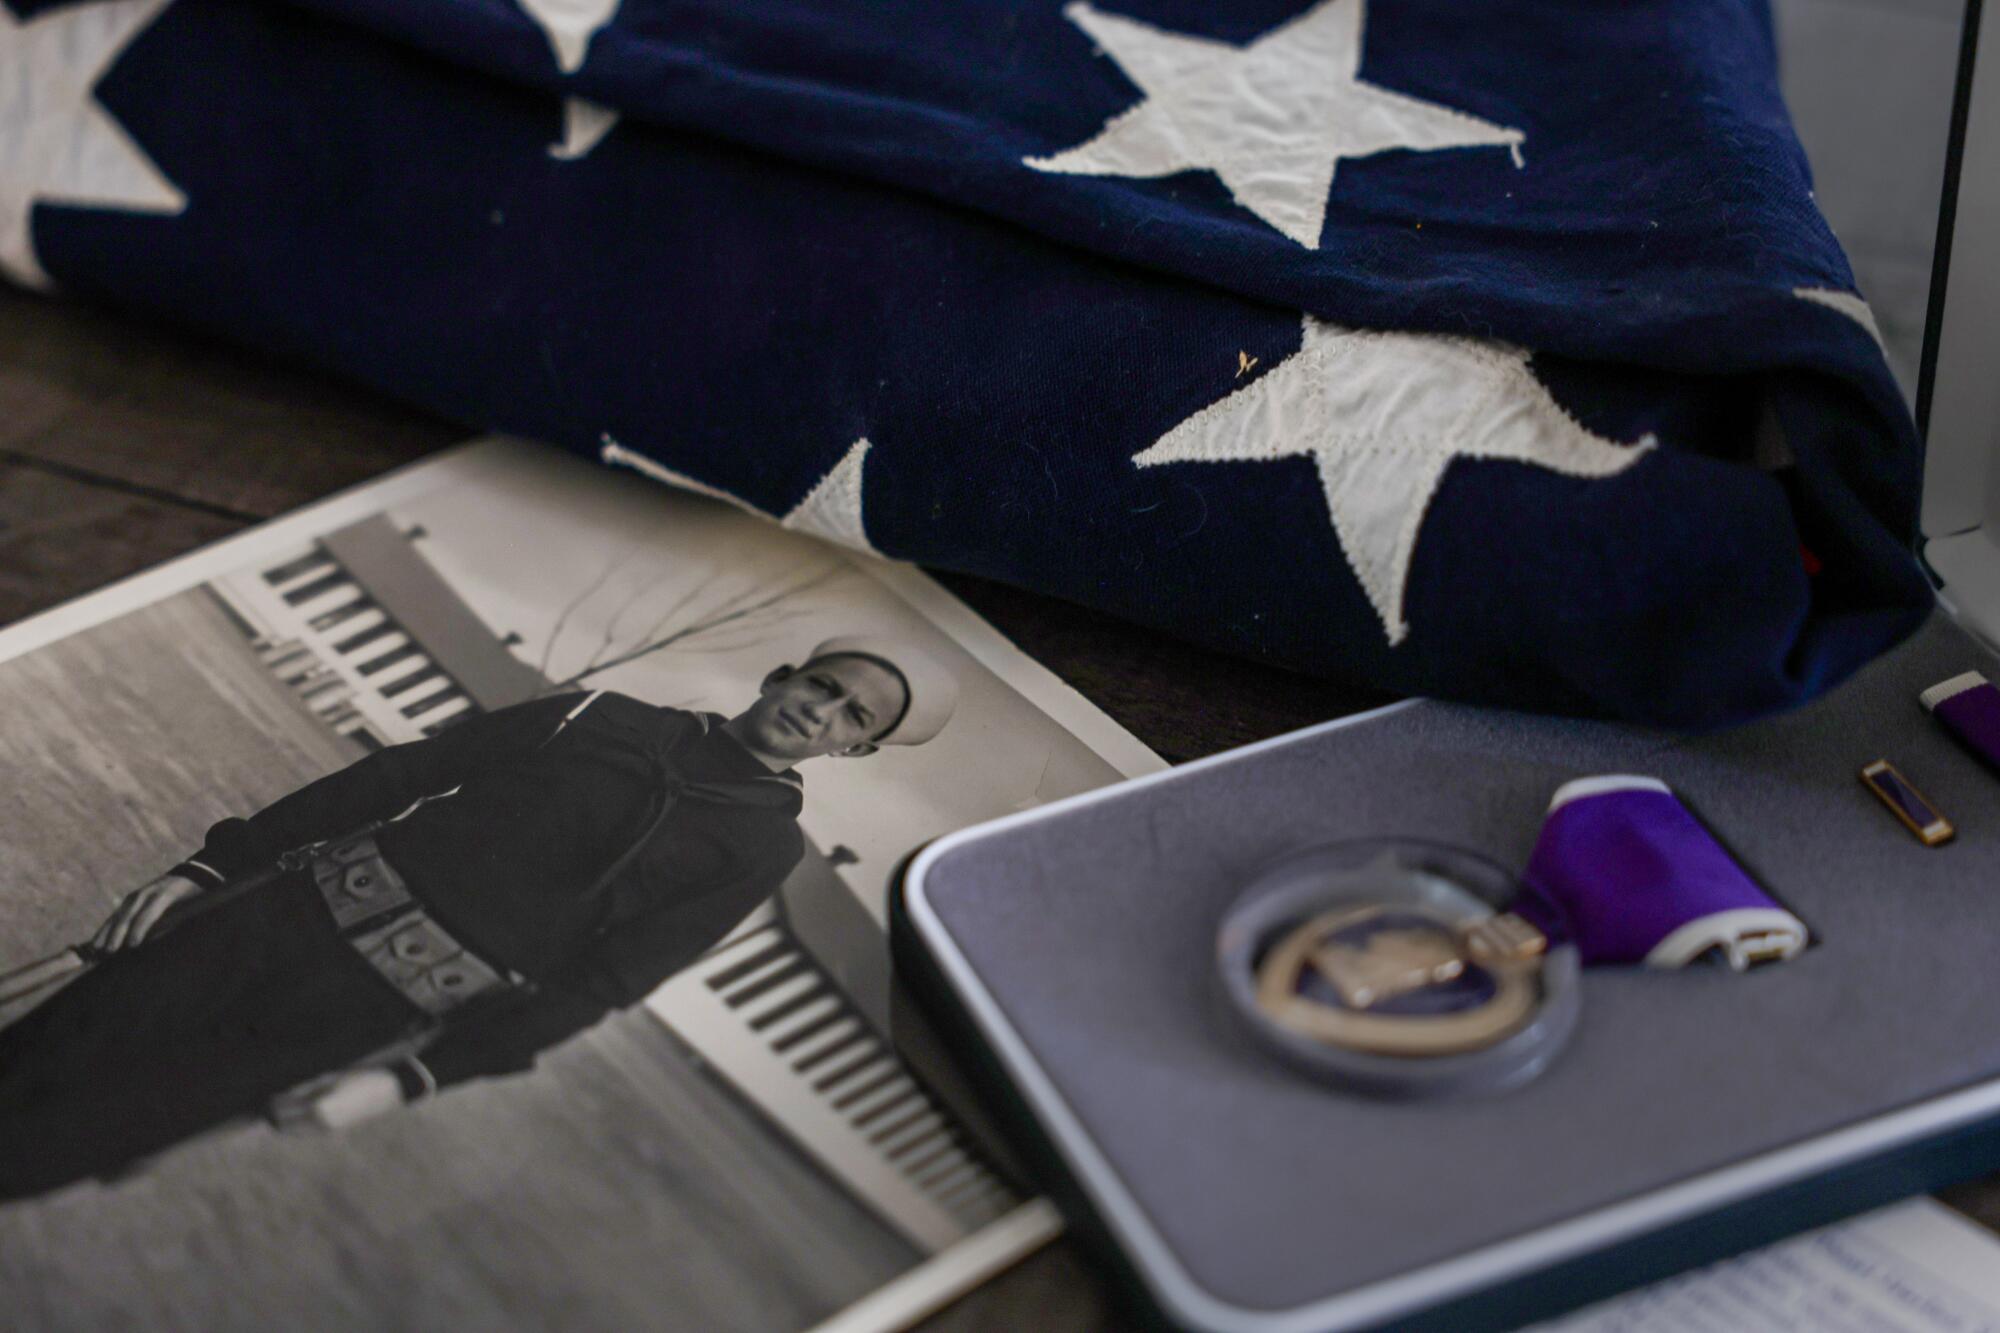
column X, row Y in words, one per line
column 123, row 445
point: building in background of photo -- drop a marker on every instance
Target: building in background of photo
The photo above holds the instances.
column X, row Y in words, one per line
column 791, row 1010
column 372, row 639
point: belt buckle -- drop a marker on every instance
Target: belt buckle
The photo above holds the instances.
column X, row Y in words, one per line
column 425, row 964
column 358, row 884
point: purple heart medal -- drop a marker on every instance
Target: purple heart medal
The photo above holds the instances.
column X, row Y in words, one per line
column 1408, row 968
column 1397, row 967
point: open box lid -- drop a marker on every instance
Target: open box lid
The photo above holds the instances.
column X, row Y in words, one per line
column 1958, row 397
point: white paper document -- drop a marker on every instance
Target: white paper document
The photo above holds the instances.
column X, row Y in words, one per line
column 1917, row 1267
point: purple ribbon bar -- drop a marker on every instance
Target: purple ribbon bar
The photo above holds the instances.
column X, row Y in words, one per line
column 1969, row 707
column 1633, row 877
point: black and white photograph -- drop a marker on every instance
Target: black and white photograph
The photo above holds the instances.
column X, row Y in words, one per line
column 463, row 901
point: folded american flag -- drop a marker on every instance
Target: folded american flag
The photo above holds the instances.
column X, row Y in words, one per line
column 1490, row 349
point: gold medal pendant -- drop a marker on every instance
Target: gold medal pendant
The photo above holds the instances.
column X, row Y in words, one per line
column 1375, row 958
column 1398, row 967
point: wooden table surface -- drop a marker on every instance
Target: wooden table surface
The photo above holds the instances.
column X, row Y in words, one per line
column 123, row 445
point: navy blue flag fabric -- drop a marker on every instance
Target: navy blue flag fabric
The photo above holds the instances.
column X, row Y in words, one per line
column 1486, row 348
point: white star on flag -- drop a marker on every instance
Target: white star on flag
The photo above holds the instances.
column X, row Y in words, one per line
column 569, row 25
column 585, row 123
column 830, row 510
column 57, row 144
column 1851, row 304
column 1383, row 415
column 1272, row 119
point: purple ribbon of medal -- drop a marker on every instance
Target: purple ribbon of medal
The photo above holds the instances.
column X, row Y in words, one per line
column 1634, row 877
column 1969, row 708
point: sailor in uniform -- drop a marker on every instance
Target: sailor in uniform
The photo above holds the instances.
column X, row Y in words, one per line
column 438, row 911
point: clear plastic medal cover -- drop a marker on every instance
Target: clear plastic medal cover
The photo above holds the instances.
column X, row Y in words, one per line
column 1399, row 967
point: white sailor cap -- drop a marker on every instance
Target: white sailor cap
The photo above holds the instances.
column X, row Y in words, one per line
column 931, row 691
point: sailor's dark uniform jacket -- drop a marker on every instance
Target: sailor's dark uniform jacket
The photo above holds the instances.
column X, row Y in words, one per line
column 586, row 852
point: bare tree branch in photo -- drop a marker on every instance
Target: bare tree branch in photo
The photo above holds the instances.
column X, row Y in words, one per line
column 607, row 640
column 575, row 604
column 696, row 621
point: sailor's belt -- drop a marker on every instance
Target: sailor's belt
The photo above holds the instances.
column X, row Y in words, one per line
column 374, row 912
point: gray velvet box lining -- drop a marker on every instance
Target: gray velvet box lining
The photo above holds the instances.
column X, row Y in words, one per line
column 1093, row 932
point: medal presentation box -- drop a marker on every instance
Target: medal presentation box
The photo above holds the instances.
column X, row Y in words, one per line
column 1071, row 952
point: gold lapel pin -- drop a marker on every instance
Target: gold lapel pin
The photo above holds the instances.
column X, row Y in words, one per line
column 1907, row 804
